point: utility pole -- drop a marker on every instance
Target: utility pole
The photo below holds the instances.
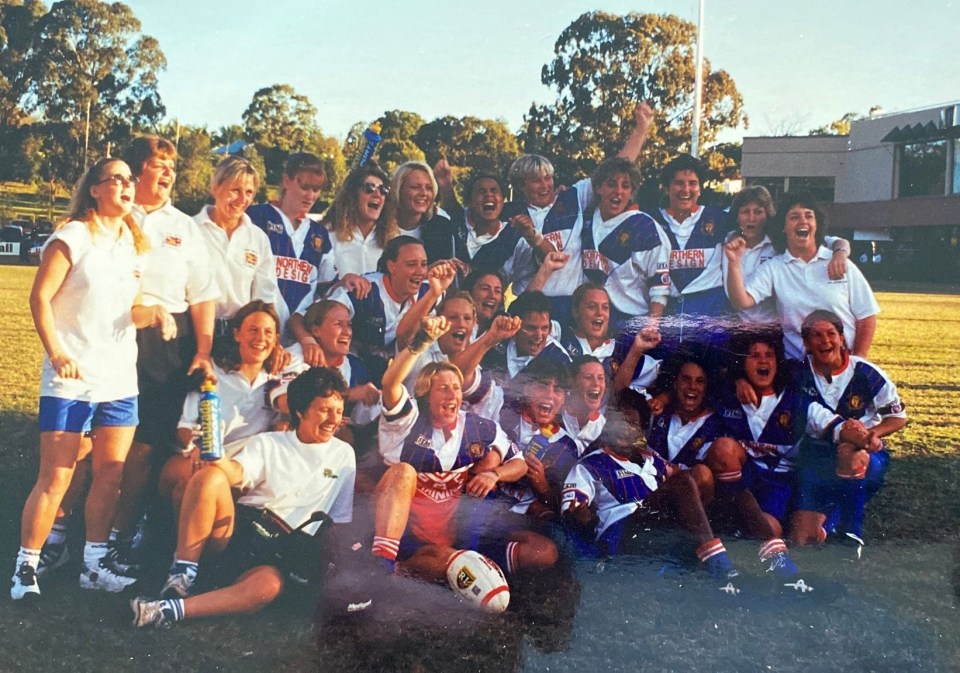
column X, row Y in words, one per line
column 86, row 138
column 698, row 86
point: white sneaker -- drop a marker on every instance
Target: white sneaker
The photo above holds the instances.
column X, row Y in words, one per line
column 148, row 613
column 24, row 584
column 104, row 579
column 177, row 586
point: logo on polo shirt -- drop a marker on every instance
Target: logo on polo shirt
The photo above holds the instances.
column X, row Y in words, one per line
column 784, row 419
column 855, row 402
column 623, row 238
column 475, row 450
column 317, row 243
column 708, row 228
column 275, row 227
column 327, row 472
column 250, row 257
column 172, row 241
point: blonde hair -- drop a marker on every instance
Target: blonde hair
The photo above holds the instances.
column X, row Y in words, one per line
column 83, row 206
column 426, row 375
column 232, row 169
column 393, row 201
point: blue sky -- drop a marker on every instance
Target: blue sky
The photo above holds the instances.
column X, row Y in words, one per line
column 797, row 64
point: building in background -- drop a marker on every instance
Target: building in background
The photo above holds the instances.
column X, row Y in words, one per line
column 892, row 186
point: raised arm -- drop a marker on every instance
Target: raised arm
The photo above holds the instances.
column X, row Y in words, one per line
column 736, row 288
column 642, row 121
column 431, row 328
column 552, row 261
column 440, row 276
column 646, row 339
column 503, row 327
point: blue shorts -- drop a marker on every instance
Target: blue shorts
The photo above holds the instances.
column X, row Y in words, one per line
column 773, row 490
column 57, row 414
column 821, row 493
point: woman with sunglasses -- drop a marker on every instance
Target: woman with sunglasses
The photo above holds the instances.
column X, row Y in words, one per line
column 355, row 220
column 88, row 280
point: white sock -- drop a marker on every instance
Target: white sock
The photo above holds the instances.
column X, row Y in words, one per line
column 93, row 552
column 29, row 556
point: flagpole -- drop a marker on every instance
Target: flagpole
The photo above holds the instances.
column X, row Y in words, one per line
column 698, row 86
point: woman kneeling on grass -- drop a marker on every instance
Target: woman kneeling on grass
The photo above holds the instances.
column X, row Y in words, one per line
column 88, row 280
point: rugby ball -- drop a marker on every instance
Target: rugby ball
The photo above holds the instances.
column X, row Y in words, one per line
column 478, row 580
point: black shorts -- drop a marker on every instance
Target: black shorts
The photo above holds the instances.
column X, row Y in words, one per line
column 162, row 373
column 255, row 542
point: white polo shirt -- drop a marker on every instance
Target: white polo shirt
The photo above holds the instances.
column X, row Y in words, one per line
column 358, row 255
column 765, row 311
column 245, row 409
column 242, row 264
column 92, row 316
column 293, row 479
column 177, row 274
column 799, row 288
column 586, row 434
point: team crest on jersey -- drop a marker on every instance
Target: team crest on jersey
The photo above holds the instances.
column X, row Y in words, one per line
column 623, row 238
column 317, row 243
column 250, row 257
column 475, row 450
column 784, row 419
column 696, row 443
column 614, row 366
column 465, row 578
column 708, row 228
column 172, row 241
column 424, row 441
column 855, row 402
column 275, row 227
column 327, row 472
column 137, row 274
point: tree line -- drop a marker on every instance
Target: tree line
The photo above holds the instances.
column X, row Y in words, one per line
column 79, row 79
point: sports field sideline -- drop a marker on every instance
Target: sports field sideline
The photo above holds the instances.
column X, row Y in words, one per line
column 896, row 610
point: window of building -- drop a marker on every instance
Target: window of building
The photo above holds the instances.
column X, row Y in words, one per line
column 821, row 188
column 923, row 169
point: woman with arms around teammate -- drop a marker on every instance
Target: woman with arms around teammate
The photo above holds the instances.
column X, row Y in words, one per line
column 88, row 280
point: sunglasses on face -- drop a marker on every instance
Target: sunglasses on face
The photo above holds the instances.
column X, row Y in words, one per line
column 370, row 188
column 120, row 180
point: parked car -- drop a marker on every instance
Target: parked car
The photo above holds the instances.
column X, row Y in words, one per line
column 35, row 246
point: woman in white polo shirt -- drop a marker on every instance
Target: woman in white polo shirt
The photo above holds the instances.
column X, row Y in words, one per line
column 242, row 365
column 85, row 305
column 799, row 279
column 240, row 252
column 358, row 229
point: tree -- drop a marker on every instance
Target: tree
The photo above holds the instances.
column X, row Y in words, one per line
column 604, row 64
column 90, row 55
column 841, row 127
column 195, row 162
column 18, row 30
column 483, row 145
column 279, row 121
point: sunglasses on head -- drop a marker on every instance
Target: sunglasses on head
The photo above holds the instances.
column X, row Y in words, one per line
column 370, row 188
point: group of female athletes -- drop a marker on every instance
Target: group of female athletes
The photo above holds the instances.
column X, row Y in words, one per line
column 679, row 364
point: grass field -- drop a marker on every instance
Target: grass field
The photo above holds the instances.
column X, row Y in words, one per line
column 894, row 611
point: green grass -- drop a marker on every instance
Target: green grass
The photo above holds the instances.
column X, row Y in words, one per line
column 898, row 611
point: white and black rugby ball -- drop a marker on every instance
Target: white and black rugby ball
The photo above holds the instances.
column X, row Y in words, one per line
column 478, row 580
